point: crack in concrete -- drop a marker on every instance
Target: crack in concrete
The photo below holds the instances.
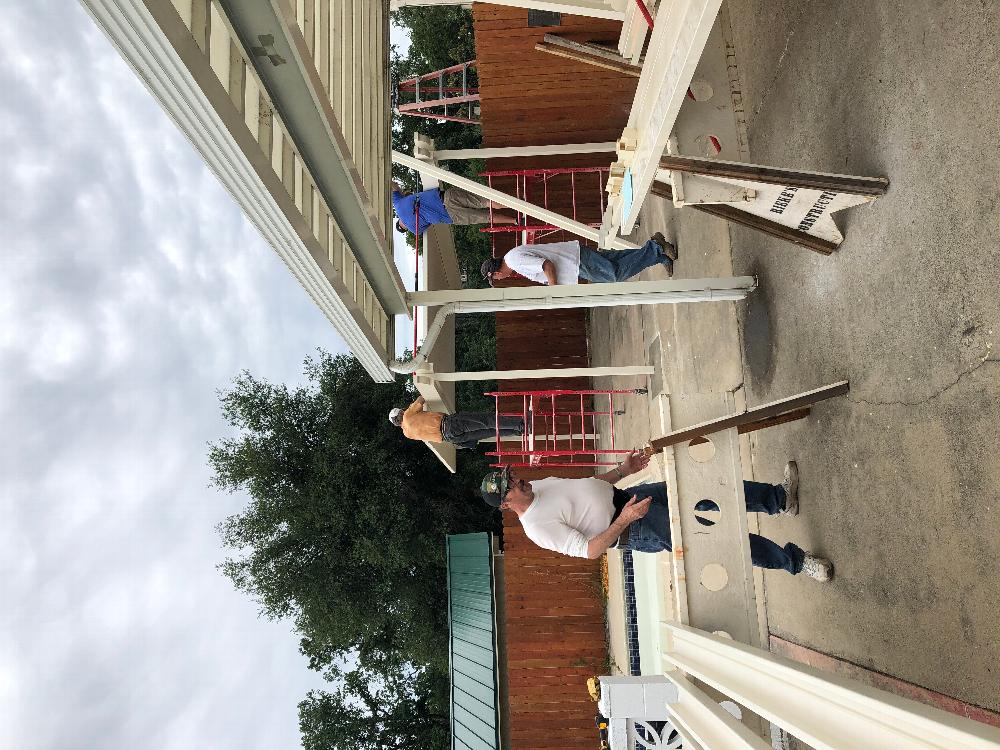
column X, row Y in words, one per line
column 934, row 395
column 775, row 76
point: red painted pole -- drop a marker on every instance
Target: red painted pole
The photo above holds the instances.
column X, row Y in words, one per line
column 416, row 272
column 645, row 12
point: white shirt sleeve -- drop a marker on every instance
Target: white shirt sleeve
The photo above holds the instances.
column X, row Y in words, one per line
column 559, row 537
column 526, row 263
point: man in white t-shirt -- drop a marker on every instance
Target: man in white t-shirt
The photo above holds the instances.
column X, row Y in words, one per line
column 584, row 517
column 567, row 262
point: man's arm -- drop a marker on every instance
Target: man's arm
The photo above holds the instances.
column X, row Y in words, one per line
column 416, row 406
column 634, row 510
column 549, row 269
column 634, row 462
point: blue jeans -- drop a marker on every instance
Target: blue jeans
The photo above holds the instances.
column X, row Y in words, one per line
column 466, row 428
column 618, row 265
column 651, row 533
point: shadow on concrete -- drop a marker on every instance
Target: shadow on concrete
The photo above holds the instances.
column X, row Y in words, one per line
column 756, row 334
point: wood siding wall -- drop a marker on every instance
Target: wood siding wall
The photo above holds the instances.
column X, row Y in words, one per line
column 554, row 610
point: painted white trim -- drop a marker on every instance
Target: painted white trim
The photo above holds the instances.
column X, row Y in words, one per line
column 826, row 711
column 706, row 722
column 139, row 39
column 585, row 295
column 591, row 8
column 564, row 372
column 566, row 296
column 516, row 151
column 675, row 47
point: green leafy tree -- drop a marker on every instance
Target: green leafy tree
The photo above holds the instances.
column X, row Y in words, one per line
column 344, row 530
column 439, row 38
column 375, row 712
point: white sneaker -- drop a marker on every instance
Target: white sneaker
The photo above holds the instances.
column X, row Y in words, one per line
column 817, row 568
column 791, row 487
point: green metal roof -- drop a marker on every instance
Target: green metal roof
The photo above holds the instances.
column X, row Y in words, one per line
column 472, row 627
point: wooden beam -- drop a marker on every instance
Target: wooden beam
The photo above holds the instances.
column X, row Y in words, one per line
column 591, row 58
column 760, row 415
column 752, row 221
column 837, row 183
column 588, row 48
column 743, row 429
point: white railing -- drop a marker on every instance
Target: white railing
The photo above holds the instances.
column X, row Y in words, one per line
column 826, row 711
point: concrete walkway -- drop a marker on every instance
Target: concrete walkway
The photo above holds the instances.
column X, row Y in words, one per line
column 901, row 479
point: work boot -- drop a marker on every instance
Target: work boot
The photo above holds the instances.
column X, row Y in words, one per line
column 791, row 487
column 668, row 249
column 817, row 568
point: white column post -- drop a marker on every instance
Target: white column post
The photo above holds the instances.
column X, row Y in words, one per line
column 564, row 372
column 497, row 196
column 516, row 151
column 562, row 296
column 591, row 8
column 586, row 295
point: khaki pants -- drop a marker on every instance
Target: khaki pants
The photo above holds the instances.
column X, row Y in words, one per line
column 466, row 208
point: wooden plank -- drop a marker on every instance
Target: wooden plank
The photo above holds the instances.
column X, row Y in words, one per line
column 750, row 416
column 358, row 44
column 590, row 59
column 837, row 183
column 323, row 30
column 759, row 223
column 346, row 44
column 200, row 20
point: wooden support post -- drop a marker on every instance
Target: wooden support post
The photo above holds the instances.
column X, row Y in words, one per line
column 751, row 221
column 754, row 419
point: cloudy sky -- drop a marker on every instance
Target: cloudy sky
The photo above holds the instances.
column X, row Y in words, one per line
column 131, row 288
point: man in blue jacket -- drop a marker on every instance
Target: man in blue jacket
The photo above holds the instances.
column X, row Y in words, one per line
column 448, row 206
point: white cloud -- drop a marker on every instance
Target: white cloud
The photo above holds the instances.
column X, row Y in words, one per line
column 131, row 288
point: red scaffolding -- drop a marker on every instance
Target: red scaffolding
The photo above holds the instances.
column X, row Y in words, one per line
column 564, row 428
column 532, row 185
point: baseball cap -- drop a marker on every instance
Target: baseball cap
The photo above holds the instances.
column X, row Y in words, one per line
column 489, row 267
column 494, row 486
column 396, row 416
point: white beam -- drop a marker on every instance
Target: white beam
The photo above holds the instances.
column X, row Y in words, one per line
column 591, row 8
column 455, row 301
column 564, row 372
column 708, row 723
column 587, row 295
column 824, row 710
column 677, row 42
column 516, row 151
column 504, row 199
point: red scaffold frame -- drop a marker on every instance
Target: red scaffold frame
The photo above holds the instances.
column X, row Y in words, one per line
column 539, row 409
column 529, row 183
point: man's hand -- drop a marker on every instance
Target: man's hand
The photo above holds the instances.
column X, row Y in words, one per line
column 634, row 462
column 635, row 509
